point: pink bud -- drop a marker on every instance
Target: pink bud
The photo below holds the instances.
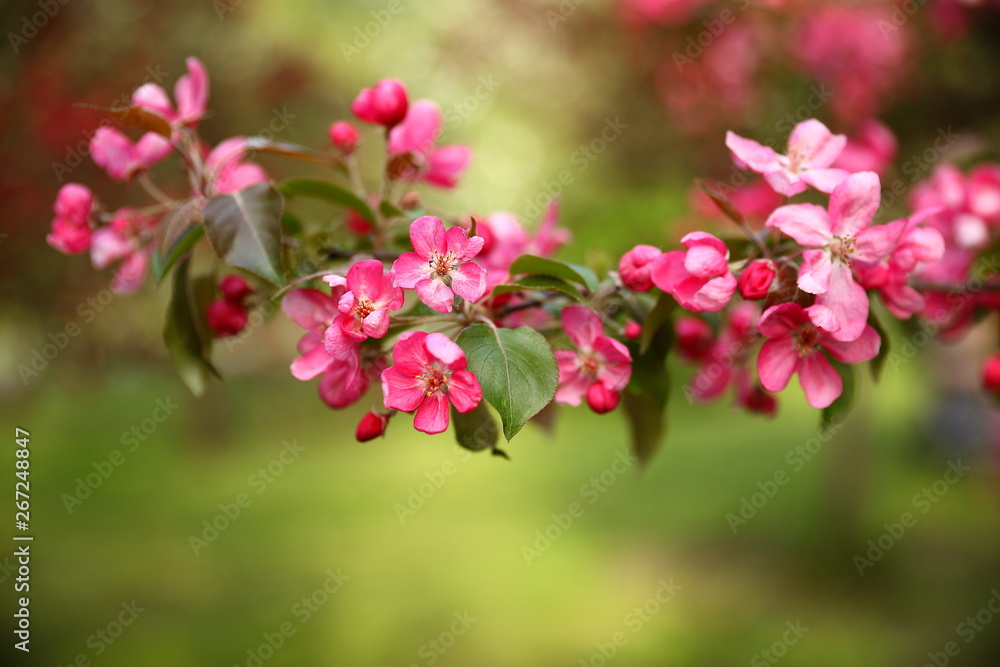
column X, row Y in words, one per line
column 635, row 266
column 759, row 401
column 74, row 202
column 344, row 136
column 356, row 223
column 991, row 373
column 601, row 399
column 694, row 337
column 234, row 289
column 385, row 104
column 633, row 330
column 226, row 318
column 756, row 279
column 371, row 426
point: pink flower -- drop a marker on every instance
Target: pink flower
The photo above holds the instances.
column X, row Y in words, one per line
column 342, row 380
column 724, row 361
column 71, row 227
column 429, row 372
column 227, row 172
column 439, row 268
column 842, row 238
column 365, row 306
column 811, row 151
column 226, row 318
column 635, row 267
column 991, row 373
column 699, row 279
column 872, row 148
column 505, row 239
column 415, row 137
column 343, row 136
column 384, row 104
column 596, row 360
column 756, row 278
column 117, row 155
column 191, row 93
column 797, row 338
column 124, row 239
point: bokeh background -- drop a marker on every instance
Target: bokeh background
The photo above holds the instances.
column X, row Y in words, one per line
column 431, row 545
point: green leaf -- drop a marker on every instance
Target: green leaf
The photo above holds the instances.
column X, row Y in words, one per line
column 185, row 332
column 290, row 224
column 533, row 264
column 841, row 407
column 535, row 283
column 244, row 229
column 179, row 249
column 389, row 210
column 647, row 394
column 330, row 192
column 516, row 369
column 878, row 362
column 476, row 430
column 658, row 317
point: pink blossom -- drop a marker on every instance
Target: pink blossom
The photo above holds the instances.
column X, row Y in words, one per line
column 872, row 148
column 190, row 91
column 415, row 137
column 597, row 359
column 384, row 104
column 841, row 238
column 365, row 306
column 342, row 380
column 756, row 278
column 797, row 338
column 343, row 136
column 226, row 170
column 699, row 278
column 125, row 239
column 226, row 318
column 811, row 151
column 429, row 373
column 636, row 266
column 439, row 268
column 505, row 239
column 71, row 227
column 116, row 154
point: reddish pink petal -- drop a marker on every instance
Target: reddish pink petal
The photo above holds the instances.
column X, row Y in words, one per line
column 151, row 97
column 191, row 92
column 582, row 325
column 616, row 370
column 572, row 387
column 150, row 149
column 401, row 391
column 418, row 131
column 854, row 202
column 364, row 279
column 309, row 308
column 777, row 362
column 823, row 318
column 814, row 276
column 410, row 355
column 865, row 348
column 715, row 294
column 747, row 152
column 132, row 273
column 464, row 391
column 410, row 269
column 820, row 382
column 469, row 281
column 446, row 164
column 781, row 320
column 667, row 270
column 808, row 224
column 876, row 243
column 311, row 364
column 815, row 144
column 342, row 385
column 376, row 324
column 824, row 180
column 428, row 236
column 107, row 246
column 444, row 350
column 703, row 261
column 785, row 183
column 436, row 295
column 432, row 414
column 848, row 300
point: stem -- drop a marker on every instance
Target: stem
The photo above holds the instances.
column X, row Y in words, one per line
column 301, row 279
column 156, row 193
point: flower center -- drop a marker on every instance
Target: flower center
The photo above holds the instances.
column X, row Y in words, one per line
column 442, row 264
column 434, row 379
column 842, row 247
column 807, row 338
column 589, row 366
column 363, row 308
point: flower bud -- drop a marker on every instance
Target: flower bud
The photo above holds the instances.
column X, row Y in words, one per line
column 991, row 373
column 759, row 401
column 371, row 426
column 234, row 289
column 385, row 104
column 755, row 280
column 635, row 266
column 633, row 330
column 694, row 337
column 356, row 223
column 343, row 136
column 74, row 203
column 601, row 399
column 226, row 318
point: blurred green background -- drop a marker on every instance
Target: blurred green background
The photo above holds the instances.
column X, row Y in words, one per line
column 454, row 578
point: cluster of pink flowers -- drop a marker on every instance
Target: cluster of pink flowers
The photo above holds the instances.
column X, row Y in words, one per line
column 814, row 269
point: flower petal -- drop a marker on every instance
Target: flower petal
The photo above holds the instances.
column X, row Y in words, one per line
column 865, row 348
column 776, row 363
column 432, row 414
column 311, row 364
column 436, row 295
column 814, row 276
column 582, row 325
column 309, row 308
column 401, row 391
column 854, row 202
column 464, row 391
column 428, row 236
column 469, row 281
column 749, row 153
column 808, row 224
column 849, row 302
column 815, row 144
column 409, row 269
column 820, row 382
